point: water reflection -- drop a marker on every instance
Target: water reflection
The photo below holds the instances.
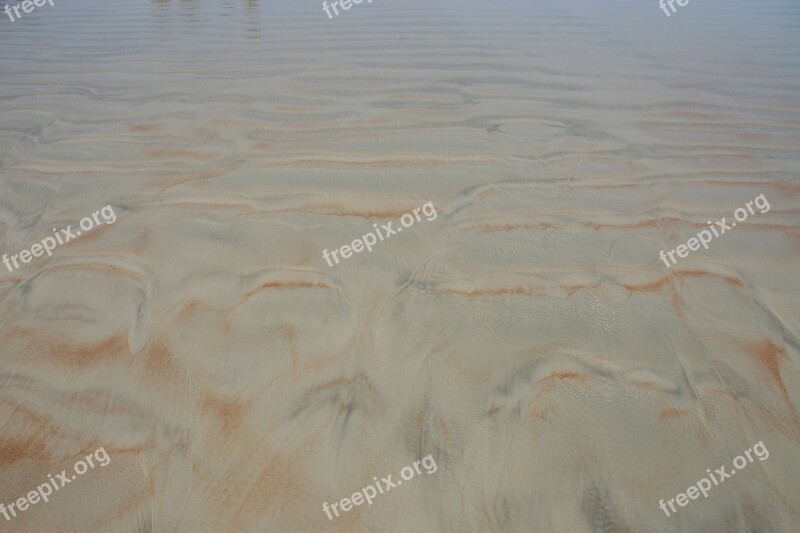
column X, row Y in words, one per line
column 253, row 16
column 242, row 14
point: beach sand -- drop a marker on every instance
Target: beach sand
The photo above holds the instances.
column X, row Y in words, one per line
column 529, row 338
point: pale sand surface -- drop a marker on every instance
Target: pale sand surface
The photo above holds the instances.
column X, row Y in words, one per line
column 528, row 338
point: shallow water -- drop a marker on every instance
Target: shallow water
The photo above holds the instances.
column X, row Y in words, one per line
column 529, row 338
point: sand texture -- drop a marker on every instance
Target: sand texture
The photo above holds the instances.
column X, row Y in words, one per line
column 528, row 338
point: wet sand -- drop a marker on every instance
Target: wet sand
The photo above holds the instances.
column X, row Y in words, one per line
column 529, row 339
